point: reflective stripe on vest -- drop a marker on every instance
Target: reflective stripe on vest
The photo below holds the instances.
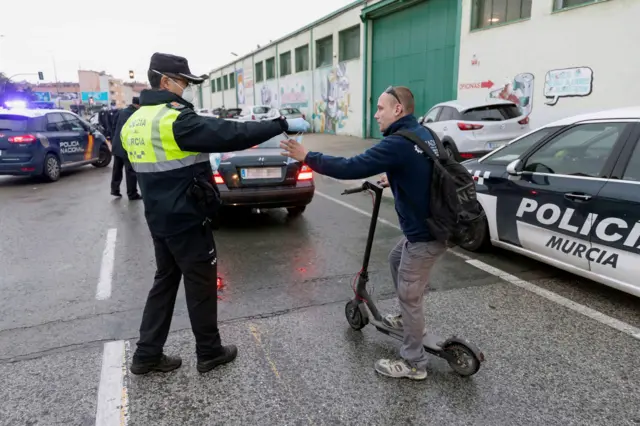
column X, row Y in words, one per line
column 148, row 139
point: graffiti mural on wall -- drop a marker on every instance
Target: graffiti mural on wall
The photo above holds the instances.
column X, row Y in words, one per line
column 240, row 86
column 567, row 82
column 268, row 96
column 519, row 91
column 294, row 96
column 330, row 113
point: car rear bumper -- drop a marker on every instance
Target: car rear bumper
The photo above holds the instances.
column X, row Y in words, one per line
column 20, row 169
column 267, row 197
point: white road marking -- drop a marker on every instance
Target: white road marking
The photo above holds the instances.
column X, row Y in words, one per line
column 112, row 409
column 106, row 269
column 549, row 295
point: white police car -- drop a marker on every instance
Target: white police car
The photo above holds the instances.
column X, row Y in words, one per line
column 568, row 194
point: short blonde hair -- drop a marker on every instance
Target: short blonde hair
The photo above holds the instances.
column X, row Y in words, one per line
column 404, row 97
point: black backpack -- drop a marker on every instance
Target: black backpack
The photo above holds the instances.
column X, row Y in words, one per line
column 456, row 213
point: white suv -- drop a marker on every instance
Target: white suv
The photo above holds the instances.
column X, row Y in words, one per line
column 473, row 129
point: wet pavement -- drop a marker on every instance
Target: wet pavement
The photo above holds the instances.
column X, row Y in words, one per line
column 286, row 282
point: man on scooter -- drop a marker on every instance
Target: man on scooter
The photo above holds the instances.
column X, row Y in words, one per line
column 409, row 177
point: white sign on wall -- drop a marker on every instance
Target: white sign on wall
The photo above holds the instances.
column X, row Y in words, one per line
column 567, row 82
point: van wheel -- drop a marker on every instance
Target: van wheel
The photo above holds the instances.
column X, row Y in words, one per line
column 104, row 157
column 51, row 169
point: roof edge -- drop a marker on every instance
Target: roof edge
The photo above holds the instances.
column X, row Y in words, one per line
column 293, row 34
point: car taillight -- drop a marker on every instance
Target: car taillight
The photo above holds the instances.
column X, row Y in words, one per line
column 253, row 117
column 217, row 177
column 22, row 139
column 524, row 120
column 467, row 126
column 305, row 173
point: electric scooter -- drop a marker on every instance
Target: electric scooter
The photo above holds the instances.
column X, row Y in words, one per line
column 463, row 357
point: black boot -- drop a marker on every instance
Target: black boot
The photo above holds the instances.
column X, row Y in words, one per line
column 229, row 354
column 164, row 365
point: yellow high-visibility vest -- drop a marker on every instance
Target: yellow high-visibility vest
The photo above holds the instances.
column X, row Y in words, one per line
column 148, row 139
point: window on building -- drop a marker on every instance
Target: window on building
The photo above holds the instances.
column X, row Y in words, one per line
column 259, row 72
column 270, row 64
column 563, row 4
column 302, row 58
column 212, row 82
column 349, row 43
column 285, row 64
column 487, row 13
column 225, row 82
column 232, row 80
column 324, row 52
column 219, row 83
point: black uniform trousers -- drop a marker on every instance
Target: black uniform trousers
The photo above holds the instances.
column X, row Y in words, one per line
column 120, row 163
column 192, row 255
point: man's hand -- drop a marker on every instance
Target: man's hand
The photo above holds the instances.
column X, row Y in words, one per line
column 293, row 150
column 384, row 182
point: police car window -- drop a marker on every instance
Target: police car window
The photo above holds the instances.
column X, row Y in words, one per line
column 632, row 172
column 14, row 123
column 73, row 123
column 514, row 150
column 55, row 122
column 580, row 151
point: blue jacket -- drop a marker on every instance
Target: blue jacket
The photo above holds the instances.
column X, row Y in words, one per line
column 408, row 171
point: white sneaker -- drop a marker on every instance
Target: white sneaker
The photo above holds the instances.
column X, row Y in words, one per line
column 399, row 369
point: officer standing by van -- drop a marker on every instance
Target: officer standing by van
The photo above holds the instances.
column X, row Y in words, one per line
column 167, row 142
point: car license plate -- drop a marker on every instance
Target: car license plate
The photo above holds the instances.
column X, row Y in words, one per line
column 494, row 145
column 262, row 173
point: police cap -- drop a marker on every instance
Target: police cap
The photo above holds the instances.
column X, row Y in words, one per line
column 165, row 63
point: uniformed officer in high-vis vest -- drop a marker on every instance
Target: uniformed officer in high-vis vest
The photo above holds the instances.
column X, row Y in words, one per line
column 168, row 145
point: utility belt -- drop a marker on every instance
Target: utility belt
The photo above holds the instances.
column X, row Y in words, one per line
column 205, row 194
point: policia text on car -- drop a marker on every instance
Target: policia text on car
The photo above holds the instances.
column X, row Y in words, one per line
column 167, row 142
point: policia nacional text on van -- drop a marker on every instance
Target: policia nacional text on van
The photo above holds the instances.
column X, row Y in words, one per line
column 167, row 142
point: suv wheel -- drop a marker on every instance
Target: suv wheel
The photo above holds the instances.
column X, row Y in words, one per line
column 51, row 169
column 104, row 157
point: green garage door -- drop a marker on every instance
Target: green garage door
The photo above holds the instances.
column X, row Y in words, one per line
column 416, row 47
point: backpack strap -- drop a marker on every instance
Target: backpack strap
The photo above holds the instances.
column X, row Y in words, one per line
column 442, row 154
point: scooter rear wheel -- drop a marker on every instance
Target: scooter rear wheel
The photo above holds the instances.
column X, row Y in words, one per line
column 354, row 316
column 464, row 362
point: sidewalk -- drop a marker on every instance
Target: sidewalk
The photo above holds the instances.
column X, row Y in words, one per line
column 343, row 146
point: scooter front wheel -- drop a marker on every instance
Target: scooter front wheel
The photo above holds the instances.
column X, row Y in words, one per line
column 463, row 360
column 354, row 316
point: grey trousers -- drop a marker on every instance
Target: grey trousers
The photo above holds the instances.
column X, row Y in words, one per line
column 411, row 265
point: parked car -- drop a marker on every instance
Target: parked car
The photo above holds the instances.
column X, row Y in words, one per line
column 290, row 113
column 260, row 177
column 254, row 113
column 568, row 194
column 43, row 142
column 473, row 129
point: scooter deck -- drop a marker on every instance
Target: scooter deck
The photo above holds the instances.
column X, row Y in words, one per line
column 429, row 341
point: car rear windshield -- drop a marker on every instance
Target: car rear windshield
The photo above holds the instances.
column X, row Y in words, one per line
column 261, row 110
column 492, row 113
column 514, row 150
column 14, row 123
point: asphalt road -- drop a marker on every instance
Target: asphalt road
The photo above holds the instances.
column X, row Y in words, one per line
column 286, row 283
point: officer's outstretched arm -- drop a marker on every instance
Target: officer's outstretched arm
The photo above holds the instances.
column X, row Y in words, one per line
column 205, row 134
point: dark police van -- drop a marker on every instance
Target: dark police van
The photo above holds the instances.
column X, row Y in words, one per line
column 568, row 194
column 42, row 142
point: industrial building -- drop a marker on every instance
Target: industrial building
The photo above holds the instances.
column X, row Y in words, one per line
column 543, row 54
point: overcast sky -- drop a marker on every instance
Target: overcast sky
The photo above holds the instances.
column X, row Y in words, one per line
column 119, row 35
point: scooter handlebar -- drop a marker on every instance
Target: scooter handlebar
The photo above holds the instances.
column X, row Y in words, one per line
column 353, row 190
column 377, row 187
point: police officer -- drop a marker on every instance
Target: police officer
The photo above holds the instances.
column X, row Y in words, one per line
column 166, row 142
column 120, row 158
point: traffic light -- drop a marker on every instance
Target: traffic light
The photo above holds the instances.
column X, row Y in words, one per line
column 131, row 74
column 40, row 76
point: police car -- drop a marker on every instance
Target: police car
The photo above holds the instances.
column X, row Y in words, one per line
column 568, row 194
column 43, row 142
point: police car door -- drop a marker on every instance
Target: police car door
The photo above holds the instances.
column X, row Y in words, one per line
column 59, row 135
column 551, row 202
column 82, row 146
column 617, row 225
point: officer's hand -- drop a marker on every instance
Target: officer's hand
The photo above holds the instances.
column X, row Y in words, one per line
column 284, row 125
